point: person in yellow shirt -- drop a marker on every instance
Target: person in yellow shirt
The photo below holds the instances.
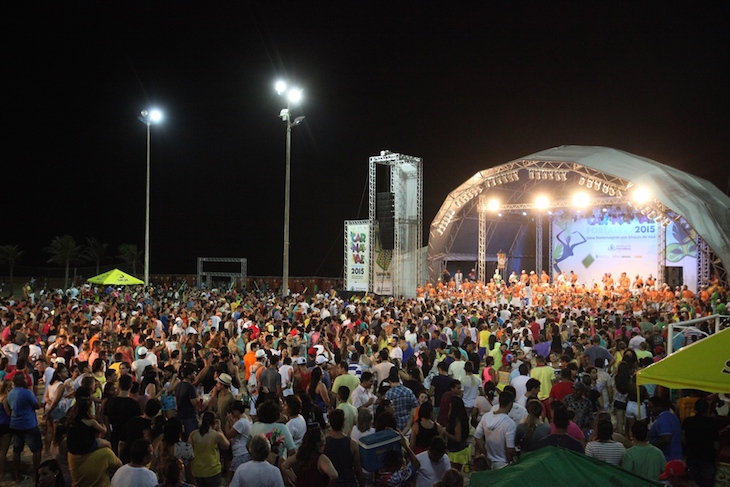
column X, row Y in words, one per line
column 546, row 375
column 484, row 334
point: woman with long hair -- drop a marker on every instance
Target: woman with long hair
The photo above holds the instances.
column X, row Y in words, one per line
column 208, row 442
column 171, row 474
column 53, row 396
column 385, row 415
column 622, row 380
column 424, row 429
column 457, row 434
column 59, row 451
column 172, row 448
column 318, row 391
column 83, row 428
column 489, row 374
column 532, row 429
column 310, row 467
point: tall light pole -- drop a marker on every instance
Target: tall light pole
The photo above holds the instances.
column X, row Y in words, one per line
column 148, row 118
column 293, row 97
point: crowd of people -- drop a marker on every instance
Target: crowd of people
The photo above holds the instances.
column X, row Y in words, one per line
column 158, row 386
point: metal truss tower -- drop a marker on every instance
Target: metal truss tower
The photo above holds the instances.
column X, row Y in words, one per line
column 406, row 184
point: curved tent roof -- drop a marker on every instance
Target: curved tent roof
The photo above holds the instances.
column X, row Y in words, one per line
column 679, row 195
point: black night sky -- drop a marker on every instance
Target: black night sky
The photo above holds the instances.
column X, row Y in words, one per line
column 464, row 85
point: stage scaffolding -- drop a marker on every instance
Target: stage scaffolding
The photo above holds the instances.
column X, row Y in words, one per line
column 406, row 184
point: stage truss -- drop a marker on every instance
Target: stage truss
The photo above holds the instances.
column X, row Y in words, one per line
column 208, row 276
column 406, row 184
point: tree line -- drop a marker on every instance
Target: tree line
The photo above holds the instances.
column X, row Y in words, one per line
column 65, row 251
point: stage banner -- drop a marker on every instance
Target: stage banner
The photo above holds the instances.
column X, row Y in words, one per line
column 595, row 245
column 682, row 252
column 357, row 267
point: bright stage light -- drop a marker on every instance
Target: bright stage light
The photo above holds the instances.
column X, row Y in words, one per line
column 542, row 202
column 280, row 87
column 641, row 195
column 493, row 205
column 524, row 213
column 581, row 200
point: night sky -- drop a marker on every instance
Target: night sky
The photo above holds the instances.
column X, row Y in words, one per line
column 465, row 86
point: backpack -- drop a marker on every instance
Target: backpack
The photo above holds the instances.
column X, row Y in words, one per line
column 253, row 379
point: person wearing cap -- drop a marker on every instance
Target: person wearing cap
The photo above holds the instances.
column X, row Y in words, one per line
column 221, row 397
column 677, row 474
column 141, row 363
column 302, row 375
column 254, row 379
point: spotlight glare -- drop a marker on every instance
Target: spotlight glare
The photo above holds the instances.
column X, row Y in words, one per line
column 280, row 87
column 542, row 202
column 581, row 200
column 641, row 195
column 493, row 205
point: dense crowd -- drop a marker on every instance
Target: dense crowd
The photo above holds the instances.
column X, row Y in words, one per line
column 135, row 387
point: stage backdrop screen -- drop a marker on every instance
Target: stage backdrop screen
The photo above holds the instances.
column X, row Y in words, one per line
column 592, row 246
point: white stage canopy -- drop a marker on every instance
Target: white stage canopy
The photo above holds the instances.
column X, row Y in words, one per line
column 609, row 176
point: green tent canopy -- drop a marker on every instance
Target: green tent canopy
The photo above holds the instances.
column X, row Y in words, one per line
column 703, row 365
column 551, row 466
column 115, row 278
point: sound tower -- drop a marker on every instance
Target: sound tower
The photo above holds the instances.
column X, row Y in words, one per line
column 384, row 210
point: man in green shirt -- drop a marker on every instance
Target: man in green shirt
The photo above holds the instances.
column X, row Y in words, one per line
column 643, row 458
column 344, row 379
column 350, row 411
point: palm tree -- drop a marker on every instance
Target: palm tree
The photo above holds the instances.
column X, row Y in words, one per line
column 130, row 255
column 65, row 252
column 95, row 252
column 10, row 255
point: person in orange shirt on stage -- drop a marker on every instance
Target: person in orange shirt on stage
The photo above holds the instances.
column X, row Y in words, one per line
column 686, row 293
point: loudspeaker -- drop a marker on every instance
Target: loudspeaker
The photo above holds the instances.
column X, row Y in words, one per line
column 673, row 276
column 384, row 212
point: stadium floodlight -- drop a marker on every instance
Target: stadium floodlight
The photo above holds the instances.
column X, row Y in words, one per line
column 542, row 202
column 641, row 195
column 581, row 200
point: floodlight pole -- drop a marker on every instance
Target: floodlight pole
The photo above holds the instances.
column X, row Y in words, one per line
column 147, row 117
column 147, row 214
column 287, row 186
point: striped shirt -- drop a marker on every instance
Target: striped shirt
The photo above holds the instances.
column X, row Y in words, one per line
column 608, row 451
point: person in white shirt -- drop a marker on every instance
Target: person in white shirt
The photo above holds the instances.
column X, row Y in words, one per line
column 434, row 462
column 287, row 377
column 471, row 385
column 238, row 431
column 139, row 365
column 258, row 472
column 362, row 395
column 135, row 473
column 297, row 424
column 495, row 433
